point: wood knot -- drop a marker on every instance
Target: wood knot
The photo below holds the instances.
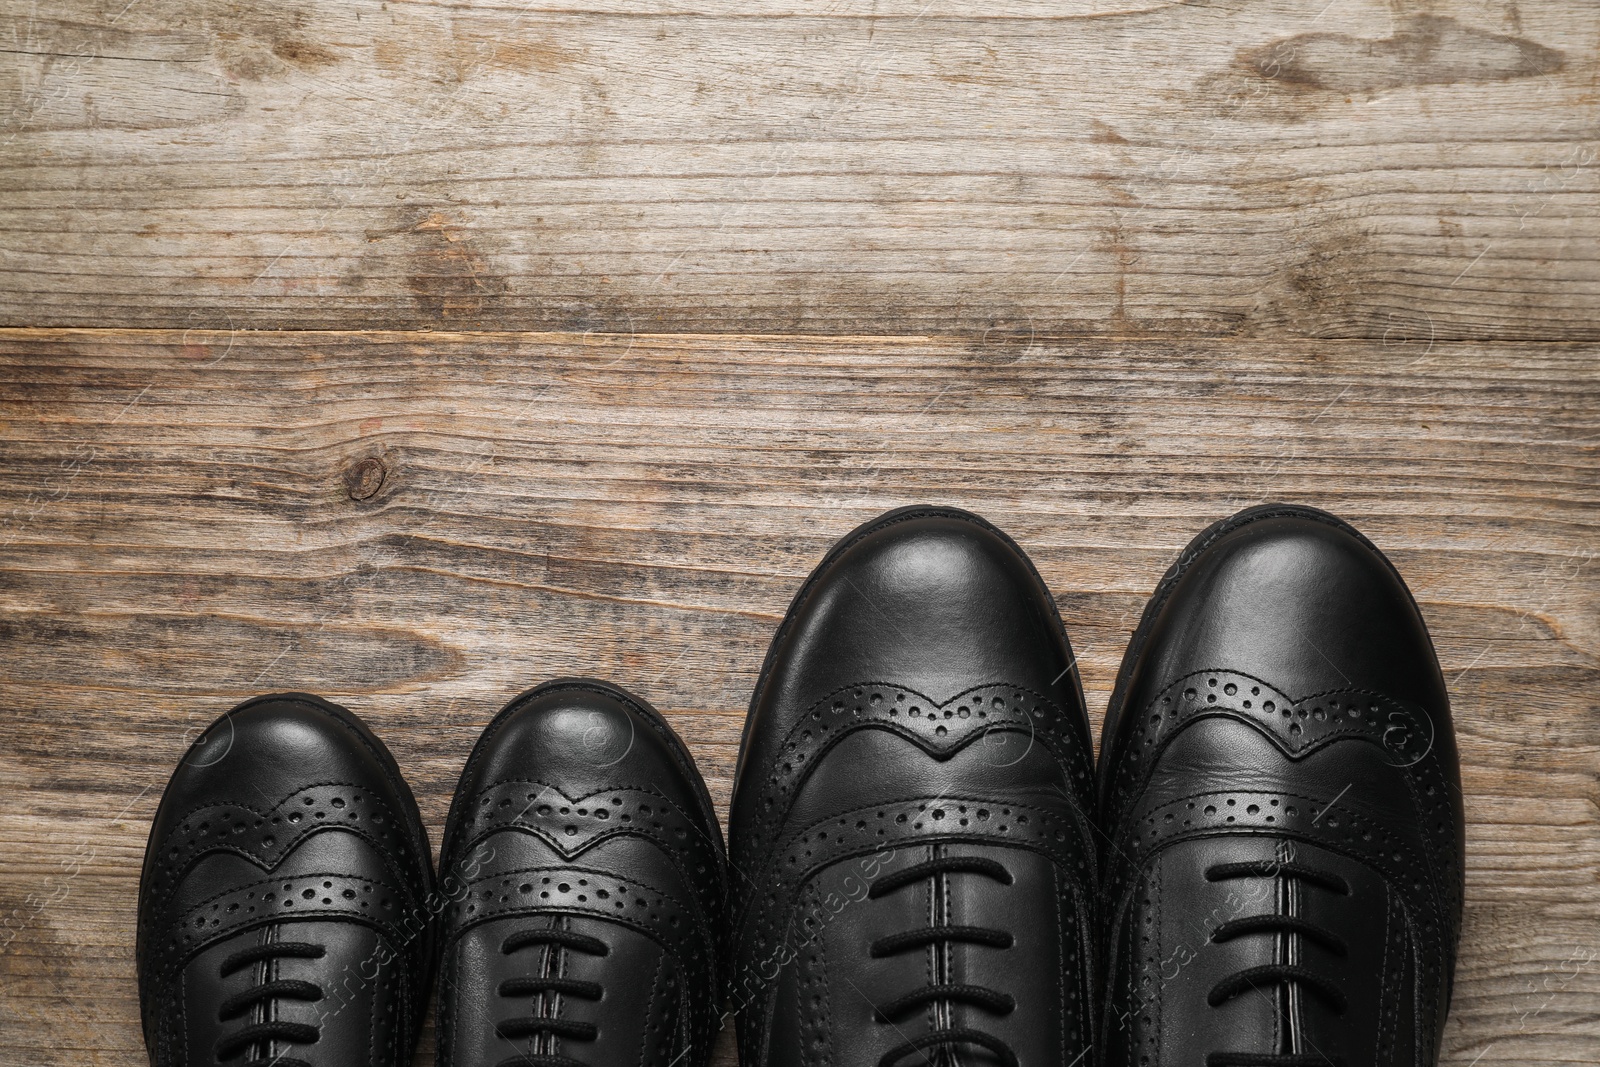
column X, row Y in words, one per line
column 364, row 479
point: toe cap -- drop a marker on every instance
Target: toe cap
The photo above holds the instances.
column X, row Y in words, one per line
column 579, row 737
column 1292, row 596
column 272, row 746
column 931, row 599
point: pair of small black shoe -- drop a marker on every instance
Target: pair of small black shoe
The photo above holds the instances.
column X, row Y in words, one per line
column 926, row 868
column 289, row 915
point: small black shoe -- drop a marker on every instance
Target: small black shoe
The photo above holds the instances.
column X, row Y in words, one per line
column 585, row 876
column 284, row 906
column 911, row 821
column 1282, row 796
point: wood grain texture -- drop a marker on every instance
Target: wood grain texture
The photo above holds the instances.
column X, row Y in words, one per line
column 421, row 525
column 1386, row 169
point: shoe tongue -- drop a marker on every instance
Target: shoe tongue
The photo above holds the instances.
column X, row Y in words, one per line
column 642, row 992
column 832, row 973
column 1375, row 976
column 356, row 975
column 1181, row 908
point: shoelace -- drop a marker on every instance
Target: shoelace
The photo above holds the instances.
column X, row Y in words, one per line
column 536, row 1025
column 1272, row 975
column 264, row 1033
column 978, row 996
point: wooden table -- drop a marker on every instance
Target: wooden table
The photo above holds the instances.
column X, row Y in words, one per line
column 411, row 353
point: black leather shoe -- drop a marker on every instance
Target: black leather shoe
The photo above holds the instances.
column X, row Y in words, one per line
column 586, row 879
column 283, row 909
column 1282, row 795
column 910, row 825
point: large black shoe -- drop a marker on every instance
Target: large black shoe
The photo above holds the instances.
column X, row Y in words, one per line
column 1281, row 791
column 585, row 876
column 910, row 828
column 284, row 907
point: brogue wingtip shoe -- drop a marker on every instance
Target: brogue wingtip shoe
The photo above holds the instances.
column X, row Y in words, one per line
column 1281, row 794
column 284, row 899
column 584, row 875
column 912, row 812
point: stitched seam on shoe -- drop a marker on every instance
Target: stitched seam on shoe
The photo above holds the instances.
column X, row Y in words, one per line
column 1171, row 836
column 776, row 898
column 1131, row 781
column 1156, row 901
column 877, row 719
column 449, row 984
column 691, row 879
column 649, row 715
column 193, row 850
column 773, row 853
column 374, row 1039
column 1065, row 757
column 1388, row 1026
column 929, row 962
column 384, row 758
column 660, row 933
column 1080, row 821
column 1192, row 551
column 1423, row 994
column 833, row 694
column 275, row 804
column 621, row 828
column 656, row 1009
column 807, row 1022
column 613, row 788
column 1087, row 970
column 1063, row 981
column 827, row 1012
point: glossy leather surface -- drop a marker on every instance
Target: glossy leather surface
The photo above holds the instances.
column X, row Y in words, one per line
column 917, row 758
column 285, row 894
column 1281, row 793
column 585, row 878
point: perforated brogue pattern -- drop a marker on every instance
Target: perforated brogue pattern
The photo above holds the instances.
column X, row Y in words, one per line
column 265, row 837
column 1402, row 730
column 572, row 825
column 1060, row 832
column 570, row 890
column 1297, row 727
column 686, row 934
column 1399, row 857
column 321, row 895
column 1418, row 862
column 939, row 728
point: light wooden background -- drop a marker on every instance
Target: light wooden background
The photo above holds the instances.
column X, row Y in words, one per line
column 412, row 353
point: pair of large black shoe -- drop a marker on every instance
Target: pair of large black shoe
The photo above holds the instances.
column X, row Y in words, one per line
column 926, row 867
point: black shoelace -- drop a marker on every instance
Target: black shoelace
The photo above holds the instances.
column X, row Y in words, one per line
column 1271, row 976
column 978, row 996
column 280, row 1030
column 543, row 1023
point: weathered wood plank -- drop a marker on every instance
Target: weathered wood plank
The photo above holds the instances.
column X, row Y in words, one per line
column 420, row 525
column 1377, row 168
